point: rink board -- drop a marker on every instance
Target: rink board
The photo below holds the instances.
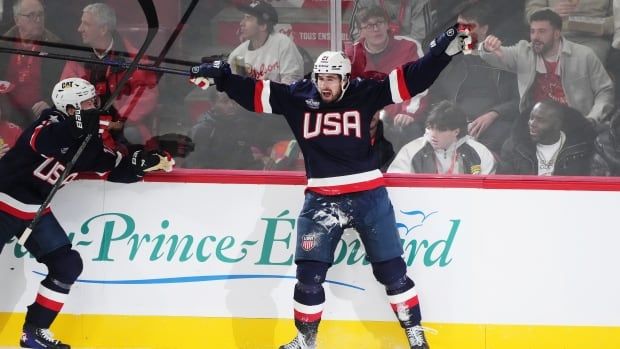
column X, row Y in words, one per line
column 207, row 265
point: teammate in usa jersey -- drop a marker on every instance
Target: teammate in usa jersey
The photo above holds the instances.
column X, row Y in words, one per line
column 330, row 116
column 29, row 171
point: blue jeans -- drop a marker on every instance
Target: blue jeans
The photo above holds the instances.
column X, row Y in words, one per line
column 323, row 219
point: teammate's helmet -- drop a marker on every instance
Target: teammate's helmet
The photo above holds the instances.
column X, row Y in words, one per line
column 333, row 62
column 72, row 92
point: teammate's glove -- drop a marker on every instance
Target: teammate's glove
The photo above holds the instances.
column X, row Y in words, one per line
column 452, row 42
column 147, row 161
column 172, row 143
column 85, row 122
column 217, row 70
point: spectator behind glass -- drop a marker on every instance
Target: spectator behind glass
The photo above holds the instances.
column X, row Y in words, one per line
column 488, row 96
column 375, row 55
column 224, row 138
column 507, row 21
column 412, row 18
column 265, row 55
column 445, row 148
column 32, row 77
column 9, row 132
column 586, row 22
column 551, row 67
column 553, row 139
column 140, row 93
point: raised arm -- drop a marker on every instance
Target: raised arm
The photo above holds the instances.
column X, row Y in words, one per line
column 260, row 96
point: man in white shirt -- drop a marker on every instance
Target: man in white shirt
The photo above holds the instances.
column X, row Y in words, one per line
column 265, row 55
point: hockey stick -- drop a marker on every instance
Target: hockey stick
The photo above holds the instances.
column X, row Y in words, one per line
column 89, row 50
column 119, row 64
column 153, row 25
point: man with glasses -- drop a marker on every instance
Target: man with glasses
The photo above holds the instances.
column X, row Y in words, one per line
column 31, row 76
column 375, row 55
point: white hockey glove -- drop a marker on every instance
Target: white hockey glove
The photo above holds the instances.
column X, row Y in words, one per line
column 208, row 73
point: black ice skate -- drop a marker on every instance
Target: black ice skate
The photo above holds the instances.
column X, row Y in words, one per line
column 416, row 337
column 40, row 338
column 300, row 342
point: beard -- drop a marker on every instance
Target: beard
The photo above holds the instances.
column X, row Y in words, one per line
column 541, row 48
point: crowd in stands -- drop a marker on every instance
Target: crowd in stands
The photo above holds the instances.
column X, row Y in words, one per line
column 538, row 95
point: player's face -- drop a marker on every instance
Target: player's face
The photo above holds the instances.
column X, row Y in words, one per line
column 543, row 125
column 441, row 139
column 89, row 104
column 248, row 27
column 90, row 29
column 543, row 36
column 329, row 86
column 30, row 20
column 375, row 31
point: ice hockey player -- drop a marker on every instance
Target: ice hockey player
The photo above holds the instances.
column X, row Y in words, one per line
column 331, row 116
column 29, row 171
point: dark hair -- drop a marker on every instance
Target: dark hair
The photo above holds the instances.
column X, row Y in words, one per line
column 480, row 13
column 447, row 116
column 547, row 15
column 371, row 12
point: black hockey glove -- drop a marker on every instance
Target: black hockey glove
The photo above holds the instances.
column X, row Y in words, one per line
column 451, row 42
column 147, row 161
column 172, row 143
column 85, row 122
column 200, row 75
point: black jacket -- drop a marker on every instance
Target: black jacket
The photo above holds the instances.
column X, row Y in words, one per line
column 576, row 158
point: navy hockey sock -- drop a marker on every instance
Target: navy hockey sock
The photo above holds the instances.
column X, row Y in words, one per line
column 64, row 266
column 50, row 299
column 308, row 308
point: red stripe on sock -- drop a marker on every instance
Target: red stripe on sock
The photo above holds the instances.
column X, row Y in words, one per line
column 307, row 317
column 410, row 303
column 48, row 303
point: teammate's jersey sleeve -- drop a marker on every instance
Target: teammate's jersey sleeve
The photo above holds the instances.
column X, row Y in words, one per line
column 259, row 96
column 51, row 136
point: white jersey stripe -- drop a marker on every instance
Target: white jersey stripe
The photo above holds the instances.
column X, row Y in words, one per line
column 396, row 97
column 403, row 297
column 52, row 295
column 264, row 98
column 343, row 180
column 308, row 309
column 18, row 204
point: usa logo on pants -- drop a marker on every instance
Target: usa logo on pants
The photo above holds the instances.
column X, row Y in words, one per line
column 308, row 242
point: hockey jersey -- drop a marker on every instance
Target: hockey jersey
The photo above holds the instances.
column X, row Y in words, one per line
column 31, row 168
column 335, row 137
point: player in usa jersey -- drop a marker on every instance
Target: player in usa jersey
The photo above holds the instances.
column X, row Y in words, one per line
column 330, row 116
column 29, row 171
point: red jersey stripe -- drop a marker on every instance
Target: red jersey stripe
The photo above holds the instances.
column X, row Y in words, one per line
column 48, row 303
